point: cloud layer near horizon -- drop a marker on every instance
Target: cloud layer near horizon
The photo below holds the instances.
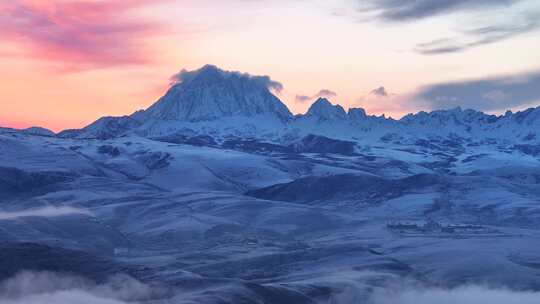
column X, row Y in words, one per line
column 488, row 94
column 47, row 287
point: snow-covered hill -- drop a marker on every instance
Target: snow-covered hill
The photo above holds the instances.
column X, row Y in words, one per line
column 32, row 130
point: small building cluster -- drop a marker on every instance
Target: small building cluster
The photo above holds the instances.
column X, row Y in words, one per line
column 434, row 226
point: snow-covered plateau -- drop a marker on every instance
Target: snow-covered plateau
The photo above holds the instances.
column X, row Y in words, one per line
column 218, row 194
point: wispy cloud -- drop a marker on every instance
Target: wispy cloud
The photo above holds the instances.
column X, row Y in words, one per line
column 500, row 20
column 380, row 91
column 43, row 212
column 483, row 35
column 324, row 93
column 399, row 11
column 82, row 34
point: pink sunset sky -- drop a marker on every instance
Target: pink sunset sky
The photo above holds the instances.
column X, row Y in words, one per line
column 65, row 63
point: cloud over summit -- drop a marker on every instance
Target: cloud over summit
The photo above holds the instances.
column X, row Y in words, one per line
column 324, row 93
column 264, row 80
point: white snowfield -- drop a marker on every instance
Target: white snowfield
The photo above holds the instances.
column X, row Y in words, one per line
column 217, row 194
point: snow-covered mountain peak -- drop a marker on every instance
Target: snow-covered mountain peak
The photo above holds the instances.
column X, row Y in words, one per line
column 324, row 110
column 211, row 93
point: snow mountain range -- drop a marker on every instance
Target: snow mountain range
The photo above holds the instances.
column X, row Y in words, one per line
column 218, row 103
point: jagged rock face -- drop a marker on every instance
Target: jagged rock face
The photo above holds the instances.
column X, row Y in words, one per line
column 324, row 110
column 108, row 127
column 357, row 114
column 320, row 144
column 211, row 93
